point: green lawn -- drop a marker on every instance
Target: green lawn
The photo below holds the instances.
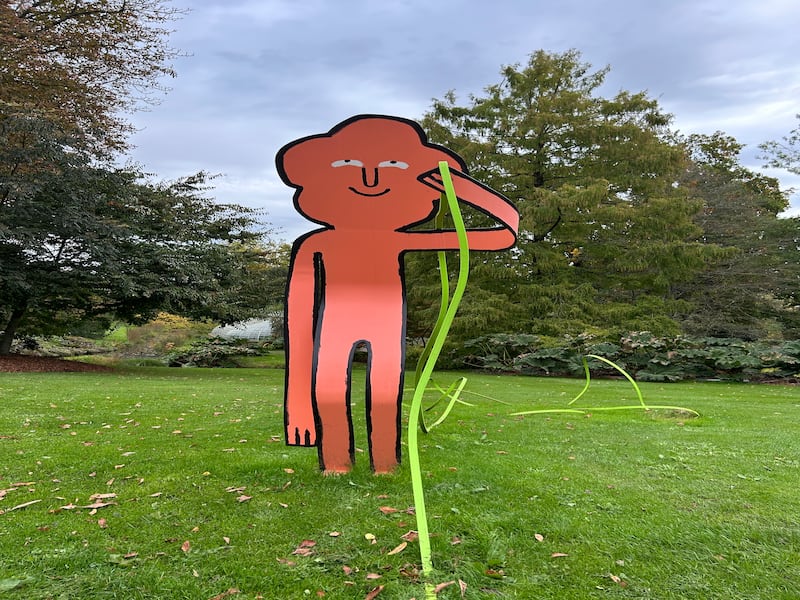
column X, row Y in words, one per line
column 208, row 502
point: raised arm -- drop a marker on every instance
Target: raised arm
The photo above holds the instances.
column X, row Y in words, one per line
column 298, row 412
column 483, row 198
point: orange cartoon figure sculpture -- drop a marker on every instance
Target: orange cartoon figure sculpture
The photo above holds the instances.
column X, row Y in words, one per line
column 367, row 181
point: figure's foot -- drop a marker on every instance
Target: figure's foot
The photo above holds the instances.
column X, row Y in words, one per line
column 388, row 469
column 336, row 472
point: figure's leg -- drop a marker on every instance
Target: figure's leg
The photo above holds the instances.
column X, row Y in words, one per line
column 332, row 405
column 384, row 398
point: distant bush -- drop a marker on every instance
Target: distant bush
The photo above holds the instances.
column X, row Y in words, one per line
column 164, row 334
column 57, row 346
column 644, row 355
column 217, row 352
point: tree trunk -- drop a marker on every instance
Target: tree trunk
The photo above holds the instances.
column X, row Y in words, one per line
column 7, row 336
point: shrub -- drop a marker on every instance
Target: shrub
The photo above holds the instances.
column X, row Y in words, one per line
column 217, row 352
column 163, row 334
column 646, row 356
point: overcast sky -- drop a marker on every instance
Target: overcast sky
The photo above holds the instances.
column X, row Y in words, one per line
column 260, row 73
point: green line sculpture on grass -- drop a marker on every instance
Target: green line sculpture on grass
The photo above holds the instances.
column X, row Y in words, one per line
column 369, row 182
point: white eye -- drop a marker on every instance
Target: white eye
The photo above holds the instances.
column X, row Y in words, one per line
column 347, row 162
column 397, row 164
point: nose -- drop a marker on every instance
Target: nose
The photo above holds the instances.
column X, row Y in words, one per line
column 369, row 181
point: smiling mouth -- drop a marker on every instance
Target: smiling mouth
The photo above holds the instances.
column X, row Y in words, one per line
column 386, row 191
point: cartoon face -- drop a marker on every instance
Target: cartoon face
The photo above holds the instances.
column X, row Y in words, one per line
column 364, row 172
column 371, row 177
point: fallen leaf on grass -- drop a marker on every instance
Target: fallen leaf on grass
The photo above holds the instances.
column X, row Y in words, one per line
column 371, row 538
column 538, row 537
column 410, row 571
column 102, row 496
column 495, row 573
column 374, row 593
column 305, row 548
column 225, row 594
column 442, row 586
column 186, row 546
column 398, row 549
column 19, row 506
column 96, row 505
column 388, row 510
column 122, row 561
column 558, row 555
column 243, row 498
column 410, row 536
column 618, row 580
column 373, row 576
column 463, row 587
column 102, row 523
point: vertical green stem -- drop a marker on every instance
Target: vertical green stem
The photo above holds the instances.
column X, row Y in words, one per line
column 427, row 370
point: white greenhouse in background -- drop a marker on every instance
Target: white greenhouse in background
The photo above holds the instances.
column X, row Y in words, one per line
column 254, row 330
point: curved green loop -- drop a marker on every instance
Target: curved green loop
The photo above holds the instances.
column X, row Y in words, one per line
column 431, row 353
column 454, row 393
column 617, row 367
column 621, row 370
column 641, row 404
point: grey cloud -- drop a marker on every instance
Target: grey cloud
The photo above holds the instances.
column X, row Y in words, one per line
column 264, row 72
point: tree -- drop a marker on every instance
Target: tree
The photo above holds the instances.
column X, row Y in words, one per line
column 743, row 295
column 84, row 63
column 78, row 240
column 605, row 234
column 784, row 154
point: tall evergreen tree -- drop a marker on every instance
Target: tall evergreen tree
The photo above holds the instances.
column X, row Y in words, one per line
column 605, row 234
